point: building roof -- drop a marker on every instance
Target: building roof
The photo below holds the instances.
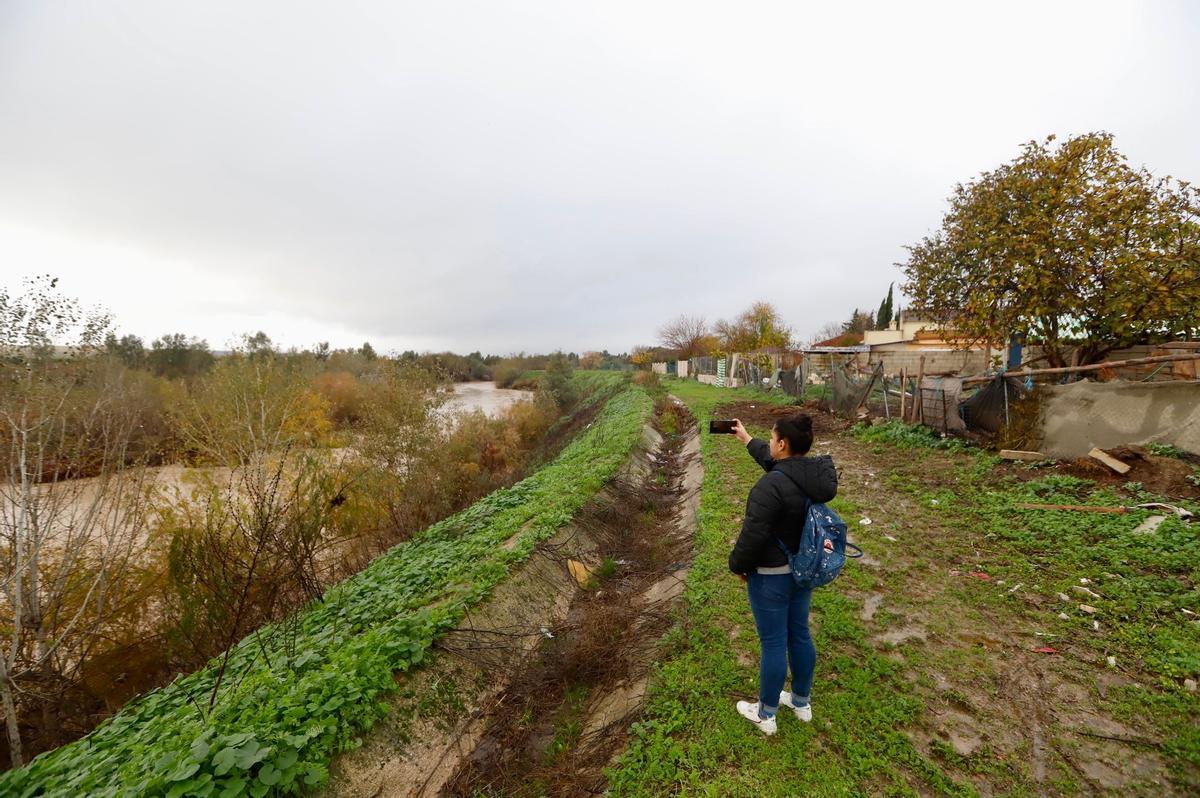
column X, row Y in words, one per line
column 843, row 340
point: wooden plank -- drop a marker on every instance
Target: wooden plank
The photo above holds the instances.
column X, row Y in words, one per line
column 1080, row 508
column 1017, row 454
column 1139, row 361
column 903, row 394
column 1109, row 460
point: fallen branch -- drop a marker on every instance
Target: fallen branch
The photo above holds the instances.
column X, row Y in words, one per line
column 1081, row 508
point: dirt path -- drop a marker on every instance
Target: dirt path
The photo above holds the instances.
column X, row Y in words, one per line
column 997, row 711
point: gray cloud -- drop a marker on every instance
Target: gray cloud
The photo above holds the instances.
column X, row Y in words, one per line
column 509, row 176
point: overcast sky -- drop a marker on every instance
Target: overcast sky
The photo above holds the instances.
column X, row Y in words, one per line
column 510, row 176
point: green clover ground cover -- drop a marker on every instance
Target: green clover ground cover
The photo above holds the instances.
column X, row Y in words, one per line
column 295, row 694
column 692, row 742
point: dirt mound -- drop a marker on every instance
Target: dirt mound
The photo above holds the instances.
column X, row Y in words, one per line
column 1165, row 476
column 755, row 414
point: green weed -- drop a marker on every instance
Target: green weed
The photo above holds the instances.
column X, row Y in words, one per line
column 906, row 436
column 298, row 692
column 692, row 742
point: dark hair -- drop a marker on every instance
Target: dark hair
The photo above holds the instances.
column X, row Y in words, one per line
column 797, row 431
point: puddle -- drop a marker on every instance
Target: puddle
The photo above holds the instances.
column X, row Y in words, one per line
column 870, row 606
column 902, row 635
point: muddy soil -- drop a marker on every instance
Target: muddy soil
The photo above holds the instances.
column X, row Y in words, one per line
column 1170, row 477
column 765, row 415
column 988, row 695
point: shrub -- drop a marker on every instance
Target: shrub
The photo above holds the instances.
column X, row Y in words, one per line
column 342, row 391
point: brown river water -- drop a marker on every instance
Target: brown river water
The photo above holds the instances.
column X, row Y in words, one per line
column 77, row 496
column 483, row 396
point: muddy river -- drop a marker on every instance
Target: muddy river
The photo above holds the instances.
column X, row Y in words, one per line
column 483, row 396
column 78, row 497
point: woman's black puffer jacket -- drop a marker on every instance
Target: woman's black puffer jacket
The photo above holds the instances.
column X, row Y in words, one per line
column 776, row 507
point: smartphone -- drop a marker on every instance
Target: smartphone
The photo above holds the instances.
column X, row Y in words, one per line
column 721, row 427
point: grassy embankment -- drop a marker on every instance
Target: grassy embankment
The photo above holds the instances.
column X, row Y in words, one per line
column 945, row 666
column 294, row 694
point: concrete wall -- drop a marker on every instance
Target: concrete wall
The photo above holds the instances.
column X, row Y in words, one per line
column 1081, row 415
column 937, row 361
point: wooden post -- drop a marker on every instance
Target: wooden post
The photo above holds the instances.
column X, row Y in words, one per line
column 918, row 397
column 903, row 395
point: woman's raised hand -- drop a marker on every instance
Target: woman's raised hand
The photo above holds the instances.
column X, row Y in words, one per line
column 739, row 431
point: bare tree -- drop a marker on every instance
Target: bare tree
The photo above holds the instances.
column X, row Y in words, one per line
column 828, row 330
column 690, row 335
column 252, row 545
column 72, row 512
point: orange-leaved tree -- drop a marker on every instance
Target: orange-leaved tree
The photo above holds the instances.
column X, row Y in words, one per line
column 1069, row 245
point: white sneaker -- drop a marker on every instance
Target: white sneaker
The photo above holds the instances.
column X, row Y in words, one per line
column 749, row 711
column 804, row 713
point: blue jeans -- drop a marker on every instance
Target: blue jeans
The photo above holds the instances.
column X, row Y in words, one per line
column 781, row 616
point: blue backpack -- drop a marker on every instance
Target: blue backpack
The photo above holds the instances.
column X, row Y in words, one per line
column 813, row 566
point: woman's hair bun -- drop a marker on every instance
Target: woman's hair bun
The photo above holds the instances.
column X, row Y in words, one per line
column 797, row 430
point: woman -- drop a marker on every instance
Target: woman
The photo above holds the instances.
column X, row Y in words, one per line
column 775, row 514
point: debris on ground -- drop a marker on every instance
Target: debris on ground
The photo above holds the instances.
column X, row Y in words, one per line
column 1181, row 513
column 1149, row 525
column 1017, row 454
column 1108, row 460
column 1160, row 475
column 581, row 573
column 1089, row 609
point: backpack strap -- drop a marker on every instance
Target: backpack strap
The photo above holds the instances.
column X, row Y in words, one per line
column 804, row 516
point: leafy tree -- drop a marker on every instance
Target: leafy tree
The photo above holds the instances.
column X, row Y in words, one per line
column 128, row 349
column 259, row 344
column 176, row 355
column 591, row 360
column 884, row 317
column 1069, row 245
column 860, row 321
column 758, row 328
column 558, row 379
column 367, row 351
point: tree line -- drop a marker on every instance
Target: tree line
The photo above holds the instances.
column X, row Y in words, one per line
column 301, row 467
